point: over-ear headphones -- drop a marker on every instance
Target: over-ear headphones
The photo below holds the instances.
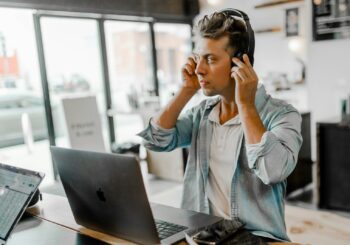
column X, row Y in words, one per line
column 249, row 50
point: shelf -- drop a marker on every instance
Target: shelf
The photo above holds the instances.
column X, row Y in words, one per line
column 268, row 30
column 274, row 3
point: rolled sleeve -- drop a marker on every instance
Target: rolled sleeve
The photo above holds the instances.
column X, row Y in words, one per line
column 255, row 151
column 157, row 138
column 275, row 156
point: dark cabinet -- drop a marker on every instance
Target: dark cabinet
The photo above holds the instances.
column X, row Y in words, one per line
column 333, row 164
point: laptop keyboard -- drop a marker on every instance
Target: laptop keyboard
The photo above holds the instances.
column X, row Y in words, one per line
column 11, row 203
column 166, row 229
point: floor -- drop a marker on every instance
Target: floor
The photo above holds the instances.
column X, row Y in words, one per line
column 304, row 198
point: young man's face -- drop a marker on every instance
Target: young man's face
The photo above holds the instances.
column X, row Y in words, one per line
column 214, row 66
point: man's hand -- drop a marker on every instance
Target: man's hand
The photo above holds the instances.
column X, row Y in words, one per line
column 246, row 85
column 190, row 79
column 246, row 82
column 168, row 116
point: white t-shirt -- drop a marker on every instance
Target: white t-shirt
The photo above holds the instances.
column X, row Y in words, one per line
column 226, row 139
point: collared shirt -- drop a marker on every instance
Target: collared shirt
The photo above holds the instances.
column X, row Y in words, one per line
column 259, row 182
column 222, row 162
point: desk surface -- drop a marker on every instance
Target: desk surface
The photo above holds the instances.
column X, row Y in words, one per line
column 30, row 230
column 304, row 226
column 56, row 209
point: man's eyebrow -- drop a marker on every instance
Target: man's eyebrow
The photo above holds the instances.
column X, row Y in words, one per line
column 204, row 55
column 210, row 54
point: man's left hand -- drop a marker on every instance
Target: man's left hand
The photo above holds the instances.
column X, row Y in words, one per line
column 246, row 81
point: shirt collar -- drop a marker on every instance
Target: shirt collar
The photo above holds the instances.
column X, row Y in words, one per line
column 214, row 116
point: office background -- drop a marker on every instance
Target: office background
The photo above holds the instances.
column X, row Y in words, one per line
column 128, row 55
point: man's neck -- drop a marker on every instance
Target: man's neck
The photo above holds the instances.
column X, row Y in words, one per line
column 228, row 110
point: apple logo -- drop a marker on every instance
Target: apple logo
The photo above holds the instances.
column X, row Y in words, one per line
column 101, row 195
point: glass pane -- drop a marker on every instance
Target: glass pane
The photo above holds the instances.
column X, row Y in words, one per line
column 23, row 131
column 132, row 83
column 173, row 44
column 73, row 64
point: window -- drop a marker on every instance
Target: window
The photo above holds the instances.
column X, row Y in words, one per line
column 23, row 131
column 173, row 44
column 131, row 78
column 73, row 64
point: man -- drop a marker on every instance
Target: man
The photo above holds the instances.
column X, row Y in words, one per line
column 243, row 143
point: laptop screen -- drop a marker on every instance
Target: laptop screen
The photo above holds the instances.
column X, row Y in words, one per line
column 17, row 187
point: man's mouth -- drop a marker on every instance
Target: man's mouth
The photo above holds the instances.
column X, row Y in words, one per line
column 203, row 82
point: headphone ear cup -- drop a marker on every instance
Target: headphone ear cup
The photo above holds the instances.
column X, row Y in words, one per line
column 239, row 55
column 251, row 39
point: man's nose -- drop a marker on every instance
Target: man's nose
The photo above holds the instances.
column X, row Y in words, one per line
column 200, row 67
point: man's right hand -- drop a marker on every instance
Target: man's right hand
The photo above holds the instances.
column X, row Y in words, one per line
column 189, row 77
column 168, row 116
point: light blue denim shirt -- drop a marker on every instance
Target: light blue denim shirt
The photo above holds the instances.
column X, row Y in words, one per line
column 259, row 181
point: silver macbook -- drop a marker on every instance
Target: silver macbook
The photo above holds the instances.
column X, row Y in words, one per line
column 106, row 193
column 17, row 188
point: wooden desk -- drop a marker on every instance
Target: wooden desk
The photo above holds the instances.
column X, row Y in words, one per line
column 32, row 230
column 56, row 209
column 304, row 226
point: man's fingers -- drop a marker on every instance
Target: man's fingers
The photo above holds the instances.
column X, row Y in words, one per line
column 242, row 73
column 189, row 69
column 192, row 61
column 244, row 63
column 190, row 65
column 236, row 77
column 238, row 62
column 247, row 61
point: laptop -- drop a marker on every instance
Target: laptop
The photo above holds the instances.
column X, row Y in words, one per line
column 17, row 188
column 106, row 193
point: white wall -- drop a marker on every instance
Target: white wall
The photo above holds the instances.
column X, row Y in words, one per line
column 328, row 65
column 328, row 77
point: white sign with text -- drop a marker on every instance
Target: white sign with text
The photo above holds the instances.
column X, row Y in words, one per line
column 83, row 123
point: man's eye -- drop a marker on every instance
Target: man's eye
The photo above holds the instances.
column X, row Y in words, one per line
column 210, row 60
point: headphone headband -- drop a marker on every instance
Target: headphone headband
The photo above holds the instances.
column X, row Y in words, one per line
column 251, row 39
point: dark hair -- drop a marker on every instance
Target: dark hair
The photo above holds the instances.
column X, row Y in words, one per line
column 219, row 24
